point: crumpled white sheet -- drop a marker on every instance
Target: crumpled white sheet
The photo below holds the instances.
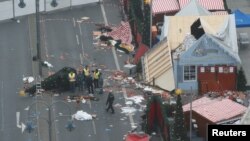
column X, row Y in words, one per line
column 81, row 115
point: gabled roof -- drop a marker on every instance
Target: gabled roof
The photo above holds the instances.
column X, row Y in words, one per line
column 175, row 28
column 217, row 109
column 209, row 40
column 193, row 8
column 157, row 64
column 208, row 4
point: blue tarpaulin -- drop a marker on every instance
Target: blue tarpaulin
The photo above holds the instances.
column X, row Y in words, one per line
column 242, row 19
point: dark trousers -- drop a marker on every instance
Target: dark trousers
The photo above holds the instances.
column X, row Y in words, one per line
column 91, row 89
column 80, row 86
column 110, row 106
column 96, row 83
column 72, row 86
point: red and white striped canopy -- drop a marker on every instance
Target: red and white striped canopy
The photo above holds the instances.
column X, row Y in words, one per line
column 164, row 6
column 122, row 32
column 208, row 4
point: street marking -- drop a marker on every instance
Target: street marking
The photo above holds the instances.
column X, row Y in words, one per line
column 74, row 22
column 77, row 39
column 117, row 66
column 81, row 58
column 18, row 120
column 94, row 127
column 2, row 108
column 80, row 29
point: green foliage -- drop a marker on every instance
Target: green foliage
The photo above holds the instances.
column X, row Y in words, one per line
column 179, row 130
column 59, row 80
column 241, row 81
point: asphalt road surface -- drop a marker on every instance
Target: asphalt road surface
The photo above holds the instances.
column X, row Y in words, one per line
column 15, row 62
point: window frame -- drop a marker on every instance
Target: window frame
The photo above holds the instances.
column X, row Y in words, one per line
column 195, row 73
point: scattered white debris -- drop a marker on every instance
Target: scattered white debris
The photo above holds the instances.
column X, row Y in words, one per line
column 80, row 115
column 128, row 110
column 129, row 103
column 137, row 99
column 83, row 100
column 85, row 18
column 56, row 94
column 28, row 79
column 27, row 108
column 48, row 64
column 117, row 105
column 147, row 89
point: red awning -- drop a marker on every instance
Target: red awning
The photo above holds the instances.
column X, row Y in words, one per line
column 121, row 32
column 208, row 4
column 164, row 6
column 140, row 52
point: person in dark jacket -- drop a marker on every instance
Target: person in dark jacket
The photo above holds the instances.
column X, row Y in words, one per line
column 110, row 101
column 101, row 83
column 89, row 84
column 79, row 80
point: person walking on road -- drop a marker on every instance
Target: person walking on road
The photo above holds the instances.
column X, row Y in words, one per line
column 72, row 80
column 110, row 101
column 96, row 78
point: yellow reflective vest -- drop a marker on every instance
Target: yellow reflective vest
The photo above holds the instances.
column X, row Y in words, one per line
column 96, row 75
column 72, row 77
column 86, row 72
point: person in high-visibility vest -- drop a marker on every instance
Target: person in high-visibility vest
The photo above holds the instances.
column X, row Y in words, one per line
column 96, row 78
column 72, row 80
column 86, row 71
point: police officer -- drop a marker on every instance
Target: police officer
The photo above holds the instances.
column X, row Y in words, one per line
column 72, row 80
column 96, row 78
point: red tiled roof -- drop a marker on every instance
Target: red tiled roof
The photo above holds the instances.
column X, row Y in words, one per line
column 216, row 110
column 164, row 6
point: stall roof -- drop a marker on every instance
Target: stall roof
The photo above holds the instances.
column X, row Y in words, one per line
column 193, row 8
column 175, row 28
column 164, row 6
column 241, row 19
column 216, row 109
column 208, row 4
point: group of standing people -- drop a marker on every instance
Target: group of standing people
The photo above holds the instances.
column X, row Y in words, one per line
column 84, row 78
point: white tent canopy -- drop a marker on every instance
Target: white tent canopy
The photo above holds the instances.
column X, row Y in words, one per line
column 193, row 8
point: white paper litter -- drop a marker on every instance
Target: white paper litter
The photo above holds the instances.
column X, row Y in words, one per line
column 137, row 99
column 83, row 100
column 80, row 115
column 28, row 79
column 48, row 64
column 128, row 110
column 129, row 103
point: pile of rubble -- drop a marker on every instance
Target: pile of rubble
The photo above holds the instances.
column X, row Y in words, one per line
column 237, row 96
